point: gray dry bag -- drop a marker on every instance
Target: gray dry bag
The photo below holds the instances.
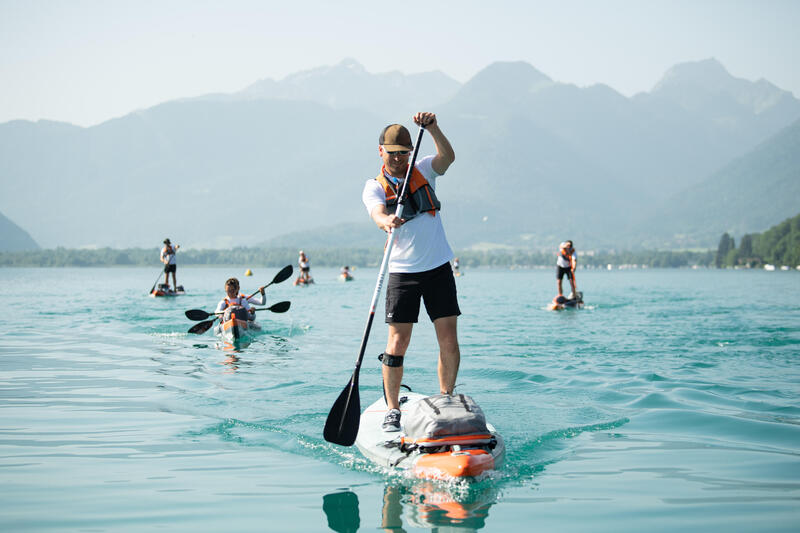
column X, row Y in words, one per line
column 443, row 419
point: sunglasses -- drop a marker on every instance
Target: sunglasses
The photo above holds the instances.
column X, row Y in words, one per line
column 399, row 152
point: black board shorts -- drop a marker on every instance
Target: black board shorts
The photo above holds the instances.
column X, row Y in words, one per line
column 563, row 271
column 436, row 287
column 170, row 268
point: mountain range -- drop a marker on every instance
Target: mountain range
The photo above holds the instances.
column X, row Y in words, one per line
column 537, row 161
column 13, row 238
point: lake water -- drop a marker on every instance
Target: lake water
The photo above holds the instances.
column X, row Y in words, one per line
column 669, row 403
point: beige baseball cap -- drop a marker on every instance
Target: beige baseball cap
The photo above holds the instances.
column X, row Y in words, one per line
column 395, row 137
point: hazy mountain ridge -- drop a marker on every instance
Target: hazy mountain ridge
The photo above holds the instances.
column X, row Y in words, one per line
column 348, row 85
column 13, row 238
column 747, row 195
column 202, row 172
column 693, row 84
column 536, row 159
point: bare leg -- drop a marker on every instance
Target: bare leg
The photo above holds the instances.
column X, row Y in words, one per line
column 449, row 352
column 174, row 282
column 166, row 278
column 560, row 291
column 397, row 344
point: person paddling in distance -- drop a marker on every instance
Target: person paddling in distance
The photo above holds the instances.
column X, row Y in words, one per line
column 234, row 299
column 419, row 264
column 305, row 266
column 566, row 263
column 168, row 258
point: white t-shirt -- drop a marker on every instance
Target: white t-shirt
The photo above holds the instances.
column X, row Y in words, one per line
column 563, row 263
column 165, row 253
column 420, row 243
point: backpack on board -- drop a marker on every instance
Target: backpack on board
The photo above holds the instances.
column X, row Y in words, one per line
column 445, row 420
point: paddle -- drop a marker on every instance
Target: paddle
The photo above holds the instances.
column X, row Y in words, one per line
column 202, row 327
column 156, row 283
column 574, row 285
column 280, row 307
column 341, row 426
column 199, row 314
column 283, row 275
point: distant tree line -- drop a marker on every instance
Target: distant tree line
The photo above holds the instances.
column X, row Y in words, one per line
column 337, row 257
column 66, row 257
column 779, row 245
column 644, row 258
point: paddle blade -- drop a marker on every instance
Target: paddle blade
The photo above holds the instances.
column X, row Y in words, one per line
column 280, row 307
column 341, row 427
column 197, row 314
column 202, row 327
column 283, row 275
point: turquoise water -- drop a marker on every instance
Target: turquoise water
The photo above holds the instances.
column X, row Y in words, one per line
column 670, row 403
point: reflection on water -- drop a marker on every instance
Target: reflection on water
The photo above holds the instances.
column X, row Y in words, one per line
column 341, row 509
column 419, row 505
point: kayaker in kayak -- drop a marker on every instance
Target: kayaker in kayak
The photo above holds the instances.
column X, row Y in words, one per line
column 566, row 263
column 168, row 258
column 233, row 299
column 419, row 265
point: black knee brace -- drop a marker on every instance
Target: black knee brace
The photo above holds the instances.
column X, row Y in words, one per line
column 391, row 360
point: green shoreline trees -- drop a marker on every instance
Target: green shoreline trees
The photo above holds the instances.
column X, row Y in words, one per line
column 336, row 257
column 779, row 245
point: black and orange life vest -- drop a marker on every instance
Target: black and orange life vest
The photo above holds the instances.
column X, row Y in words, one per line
column 567, row 256
column 236, row 301
column 420, row 196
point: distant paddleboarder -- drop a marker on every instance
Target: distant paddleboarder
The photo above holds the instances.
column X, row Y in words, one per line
column 566, row 263
column 305, row 266
column 304, row 278
column 419, row 264
column 168, row 258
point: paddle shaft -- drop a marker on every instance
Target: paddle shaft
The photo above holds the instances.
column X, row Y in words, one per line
column 156, row 283
column 381, row 274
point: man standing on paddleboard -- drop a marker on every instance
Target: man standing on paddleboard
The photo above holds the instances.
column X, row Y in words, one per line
column 170, row 265
column 419, row 265
column 566, row 263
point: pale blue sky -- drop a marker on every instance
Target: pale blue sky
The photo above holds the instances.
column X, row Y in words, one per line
column 86, row 61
